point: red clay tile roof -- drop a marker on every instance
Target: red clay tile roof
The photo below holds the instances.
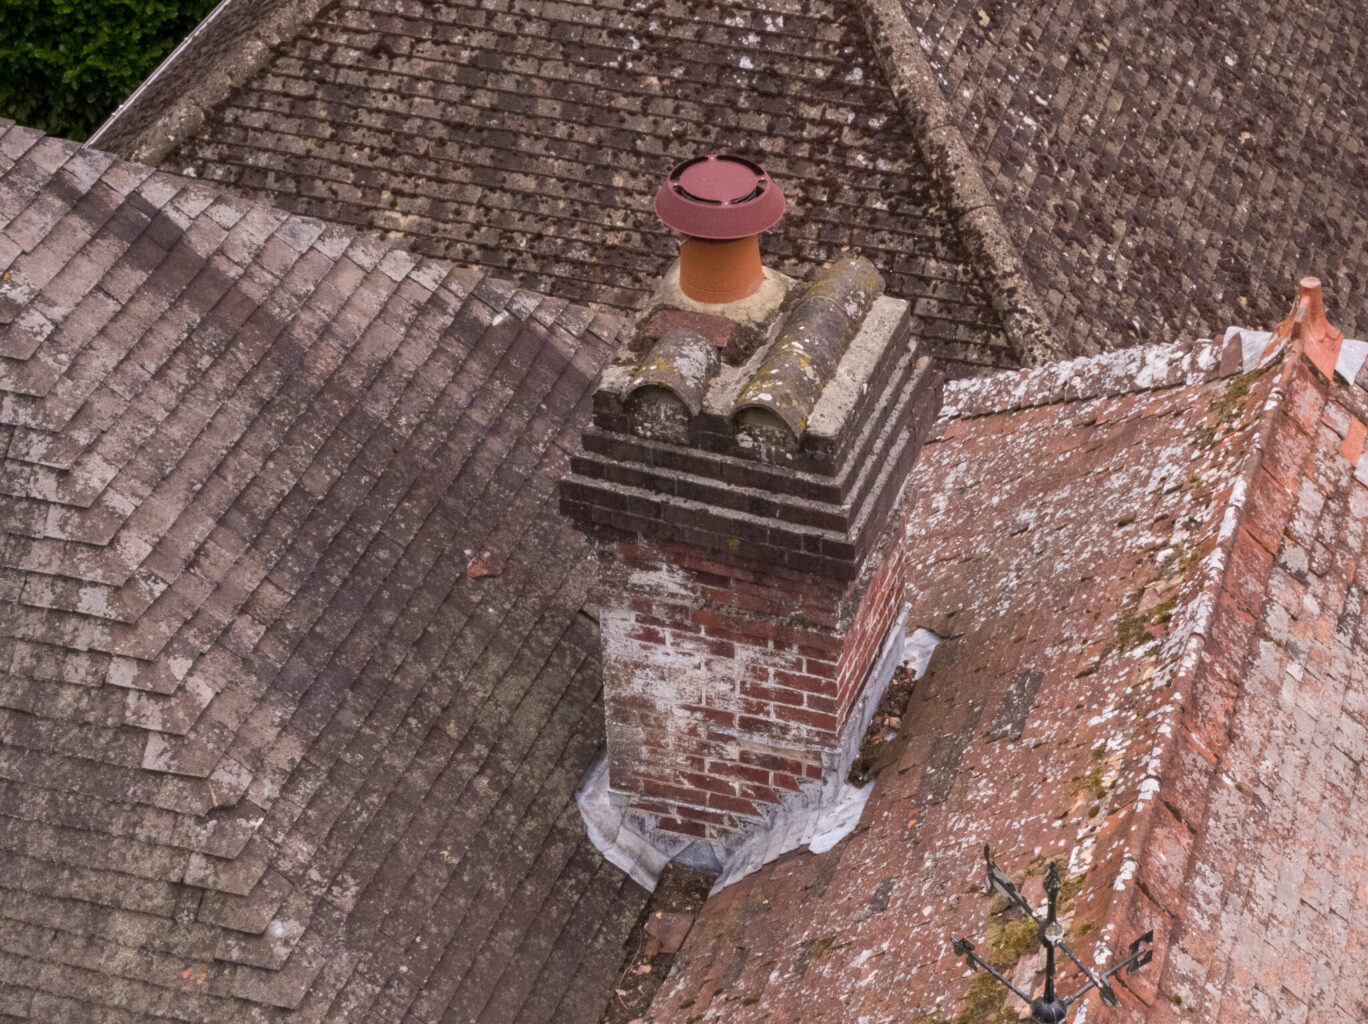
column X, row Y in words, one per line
column 531, row 139
column 268, row 749
column 1165, row 169
column 1153, row 605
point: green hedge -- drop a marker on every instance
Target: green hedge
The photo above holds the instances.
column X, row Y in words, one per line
column 66, row 64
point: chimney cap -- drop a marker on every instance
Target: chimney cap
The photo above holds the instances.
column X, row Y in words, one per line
column 719, row 196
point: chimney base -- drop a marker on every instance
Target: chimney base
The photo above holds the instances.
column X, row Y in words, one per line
column 753, row 311
column 818, row 814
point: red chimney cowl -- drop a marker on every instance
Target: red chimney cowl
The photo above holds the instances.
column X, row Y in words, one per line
column 719, row 197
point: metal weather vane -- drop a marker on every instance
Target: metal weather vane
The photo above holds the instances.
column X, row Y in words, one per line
column 1049, row 1007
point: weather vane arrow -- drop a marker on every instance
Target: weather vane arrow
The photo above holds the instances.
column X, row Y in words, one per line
column 1049, row 1007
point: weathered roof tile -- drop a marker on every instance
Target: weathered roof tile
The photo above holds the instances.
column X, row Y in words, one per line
column 234, row 472
column 565, row 118
column 1129, row 150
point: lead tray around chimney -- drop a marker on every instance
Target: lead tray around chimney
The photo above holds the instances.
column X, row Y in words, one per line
column 818, row 817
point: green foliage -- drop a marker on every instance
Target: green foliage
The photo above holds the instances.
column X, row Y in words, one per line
column 66, row 64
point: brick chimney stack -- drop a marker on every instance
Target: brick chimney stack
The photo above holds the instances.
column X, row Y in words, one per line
column 742, row 474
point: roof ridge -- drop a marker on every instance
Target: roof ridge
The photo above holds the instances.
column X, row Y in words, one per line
column 955, row 169
column 227, row 48
column 1194, row 706
column 1106, row 375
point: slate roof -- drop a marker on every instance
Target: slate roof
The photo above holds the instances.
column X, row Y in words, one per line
column 295, row 685
column 1149, row 673
column 1167, row 168
column 531, row 137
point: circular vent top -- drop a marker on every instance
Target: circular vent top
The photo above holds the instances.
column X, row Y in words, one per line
column 719, row 197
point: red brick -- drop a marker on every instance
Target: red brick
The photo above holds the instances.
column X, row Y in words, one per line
column 714, row 716
column 1352, row 447
column 765, row 600
column 772, row 762
column 664, row 791
column 816, row 719
column 708, row 619
column 708, row 783
column 662, row 617
column 820, row 703
column 646, row 635
column 678, row 826
column 758, row 727
column 739, row 772
column 705, row 645
column 773, row 694
column 819, row 667
column 653, row 806
column 734, row 804
column 806, row 683
column 760, row 794
column 716, row 595
column 820, row 614
column 704, row 565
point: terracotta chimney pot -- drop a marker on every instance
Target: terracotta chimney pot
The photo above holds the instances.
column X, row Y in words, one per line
column 719, row 204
